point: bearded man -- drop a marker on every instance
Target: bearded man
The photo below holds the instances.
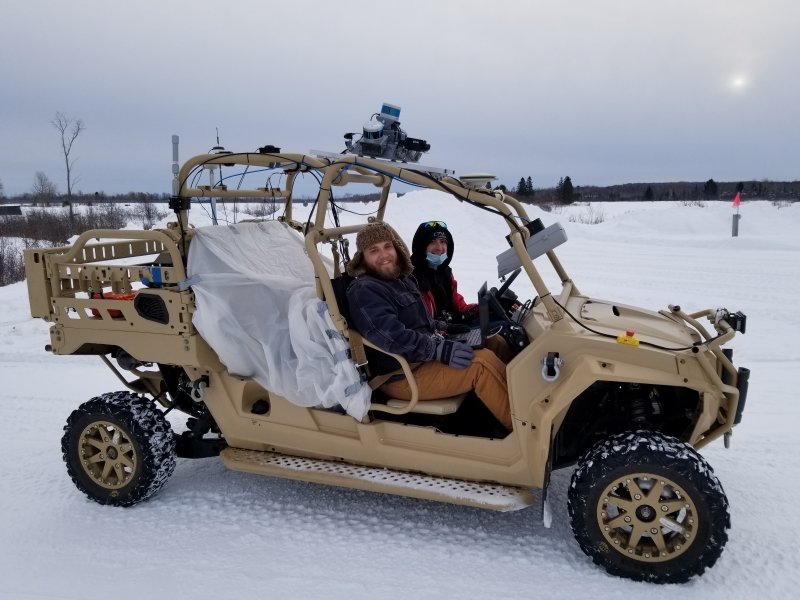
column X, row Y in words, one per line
column 387, row 309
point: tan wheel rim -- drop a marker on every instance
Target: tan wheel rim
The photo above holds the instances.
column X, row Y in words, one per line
column 107, row 455
column 647, row 517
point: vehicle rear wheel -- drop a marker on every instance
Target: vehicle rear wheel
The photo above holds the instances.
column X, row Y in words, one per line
column 119, row 449
column 648, row 507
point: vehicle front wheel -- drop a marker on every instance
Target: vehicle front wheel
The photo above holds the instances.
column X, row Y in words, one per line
column 648, row 507
column 119, row 449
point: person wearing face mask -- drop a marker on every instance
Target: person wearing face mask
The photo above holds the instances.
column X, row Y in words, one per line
column 387, row 309
column 431, row 253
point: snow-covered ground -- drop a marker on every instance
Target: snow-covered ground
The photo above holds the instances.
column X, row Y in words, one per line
column 214, row 533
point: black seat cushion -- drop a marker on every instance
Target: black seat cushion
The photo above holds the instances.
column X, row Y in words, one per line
column 340, row 285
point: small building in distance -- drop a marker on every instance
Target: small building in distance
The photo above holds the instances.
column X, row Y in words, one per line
column 7, row 210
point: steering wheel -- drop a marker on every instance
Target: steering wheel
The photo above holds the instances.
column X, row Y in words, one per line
column 495, row 295
column 507, row 283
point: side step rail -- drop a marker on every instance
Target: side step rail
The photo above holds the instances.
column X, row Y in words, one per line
column 490, row 496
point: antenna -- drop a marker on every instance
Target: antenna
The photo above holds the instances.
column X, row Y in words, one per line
column 218, row 149
column 175, row 166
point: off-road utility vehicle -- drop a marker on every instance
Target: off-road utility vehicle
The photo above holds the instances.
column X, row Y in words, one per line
column 241, row 328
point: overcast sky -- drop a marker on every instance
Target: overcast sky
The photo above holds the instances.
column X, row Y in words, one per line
column 603, row 91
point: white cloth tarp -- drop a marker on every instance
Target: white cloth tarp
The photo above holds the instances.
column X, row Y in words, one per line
column 258, row 309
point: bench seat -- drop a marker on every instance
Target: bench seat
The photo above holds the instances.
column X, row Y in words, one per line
column 444, row 406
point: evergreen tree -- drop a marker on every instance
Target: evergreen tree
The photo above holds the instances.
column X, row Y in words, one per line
column 710, row 189
column 648, row 193
column 529, row 186
column 521, row 187
column 565, row 192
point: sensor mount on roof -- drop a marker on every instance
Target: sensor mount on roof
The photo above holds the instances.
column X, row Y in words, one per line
column 382, row 137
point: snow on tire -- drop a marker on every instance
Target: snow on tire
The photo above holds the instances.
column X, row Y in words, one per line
column 648, row 507
column 119, row 449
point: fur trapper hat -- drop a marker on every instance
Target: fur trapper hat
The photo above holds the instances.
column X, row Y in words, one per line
column 375, row 233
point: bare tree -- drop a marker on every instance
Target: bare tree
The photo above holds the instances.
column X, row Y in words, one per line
column 148, row 212
column 69, row 129
column 1, row 188
column 43, row 189
column 12, row 267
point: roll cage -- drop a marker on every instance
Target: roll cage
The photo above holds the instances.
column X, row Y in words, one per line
column 339, row 171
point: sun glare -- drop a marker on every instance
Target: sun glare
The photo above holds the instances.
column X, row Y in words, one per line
column 738, row 83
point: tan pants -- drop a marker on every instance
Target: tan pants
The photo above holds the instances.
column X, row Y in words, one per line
column 486, row 375
column 499, row 346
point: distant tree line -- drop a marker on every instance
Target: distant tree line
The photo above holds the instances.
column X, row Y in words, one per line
column 565, row 192
column 45, row 193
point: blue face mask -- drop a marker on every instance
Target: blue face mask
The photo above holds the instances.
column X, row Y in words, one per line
column 435, row 260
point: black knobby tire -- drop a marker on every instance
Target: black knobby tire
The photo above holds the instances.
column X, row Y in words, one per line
column 648, row 507
column 119, row 449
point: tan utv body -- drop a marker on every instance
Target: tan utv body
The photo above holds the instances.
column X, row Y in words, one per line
column 626, row 393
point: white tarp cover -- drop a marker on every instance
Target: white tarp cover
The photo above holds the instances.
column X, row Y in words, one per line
column 258, row 309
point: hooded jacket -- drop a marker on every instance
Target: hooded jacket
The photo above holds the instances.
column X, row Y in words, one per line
column 438, row 287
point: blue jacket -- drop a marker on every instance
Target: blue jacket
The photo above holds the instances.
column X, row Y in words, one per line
column 391, row 315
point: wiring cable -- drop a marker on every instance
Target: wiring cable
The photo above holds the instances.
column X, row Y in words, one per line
column 352, row 212
column 608, row 335
column 438, row 184
column 316, row 200
column 444, row 188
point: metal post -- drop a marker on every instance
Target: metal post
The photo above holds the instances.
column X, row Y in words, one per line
column 175, row 166
column 735, row 225
column 212, row 199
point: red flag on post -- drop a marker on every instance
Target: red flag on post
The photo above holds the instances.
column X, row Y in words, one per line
column 737, row 200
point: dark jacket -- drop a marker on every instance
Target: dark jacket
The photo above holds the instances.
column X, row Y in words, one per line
column 391, row 315
column 438, row 286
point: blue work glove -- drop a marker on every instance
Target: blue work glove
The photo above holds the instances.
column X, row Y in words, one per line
column 454, row 354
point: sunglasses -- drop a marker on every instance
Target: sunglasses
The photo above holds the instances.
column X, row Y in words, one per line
column 435, row 225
